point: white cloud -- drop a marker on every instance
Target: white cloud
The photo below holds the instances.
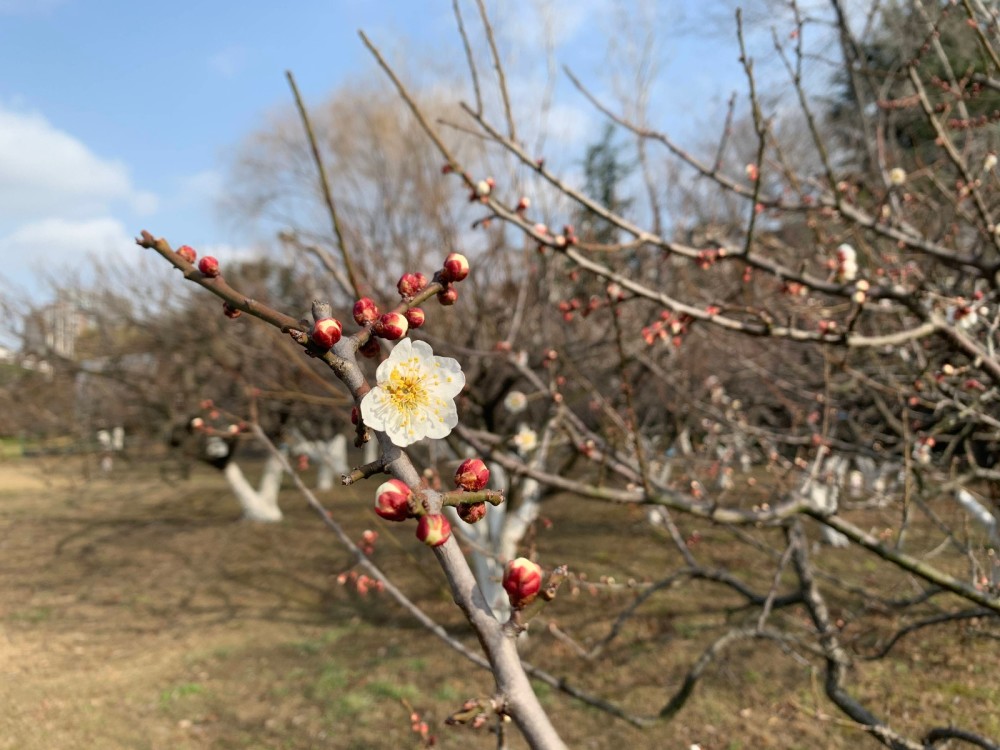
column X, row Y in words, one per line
column 45, row 171
column 227, row 253
column 203, row 187
column 53, row 242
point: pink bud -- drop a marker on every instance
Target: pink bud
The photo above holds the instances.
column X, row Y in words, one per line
column 209, row 266
column 433, row 530
column 230, row 312
column 365, row 311
column 472, row 475
column 187, row 253
column 471, row 512
column 448, row 296
column 392, row 326
column 456, row 267
column 326, row 332
column 392, row 500
column 410, row 284
column 522, row 579
column 415, row 317
column 197, row 423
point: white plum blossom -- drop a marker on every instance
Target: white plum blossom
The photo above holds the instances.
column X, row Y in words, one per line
column 897, row 176
column 515, row 402
column 847, row 263
column 525, row 439
column 414, row 396
column 989, row 162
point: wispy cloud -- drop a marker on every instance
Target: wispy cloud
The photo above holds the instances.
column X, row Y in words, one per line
column 47, row 172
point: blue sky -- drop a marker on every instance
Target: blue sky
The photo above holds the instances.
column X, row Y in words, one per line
column 117, row 116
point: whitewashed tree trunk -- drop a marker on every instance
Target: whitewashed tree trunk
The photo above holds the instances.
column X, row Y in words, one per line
column 978, row 513
column 329, row 457
column 494, row 540
column 257, row 504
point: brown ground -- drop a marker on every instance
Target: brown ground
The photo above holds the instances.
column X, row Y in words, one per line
column 138, row 614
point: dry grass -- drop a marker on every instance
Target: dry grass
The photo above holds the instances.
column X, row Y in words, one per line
column 136, row 614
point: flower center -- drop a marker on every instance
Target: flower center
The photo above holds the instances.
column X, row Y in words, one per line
column 407, row 387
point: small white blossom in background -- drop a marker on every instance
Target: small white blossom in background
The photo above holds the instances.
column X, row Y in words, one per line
column 897, row 176
column 964, row 316
column 515, row 402
column 414, row 396
column 989, row 162
column 525, row 440
column 847, row 263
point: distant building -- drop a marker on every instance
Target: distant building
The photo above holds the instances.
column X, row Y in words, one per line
column 53, row 330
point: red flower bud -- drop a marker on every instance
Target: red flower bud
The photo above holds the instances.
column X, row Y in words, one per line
column 456, row 267
column 355, row 415
column 230, row 312
column 472, row 475
column 415, row 317
column 448, row 296
column 392, row 500
column 522, row 580
column 410, row 284
column 326, row 332
column 365, row 311
column 187, row 253
column 391, row 326
column 471, row 512
column 209, row 266
column 433, row 530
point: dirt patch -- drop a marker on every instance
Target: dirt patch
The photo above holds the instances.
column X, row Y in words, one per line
column 137, row 614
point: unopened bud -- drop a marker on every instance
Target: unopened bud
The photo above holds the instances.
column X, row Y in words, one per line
column 433, row 530
column 448, row 296
column 471, row 512
column 392, row 500
column 230, row 312
column 209, row 266
column 415, row 317
column 483, row 188
column 326, row 332
column 187, row 253
column 392, row 326
column 472, row 475
column 456, row 267
column 522, row 580
column 365, row 311
column 410, row 284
